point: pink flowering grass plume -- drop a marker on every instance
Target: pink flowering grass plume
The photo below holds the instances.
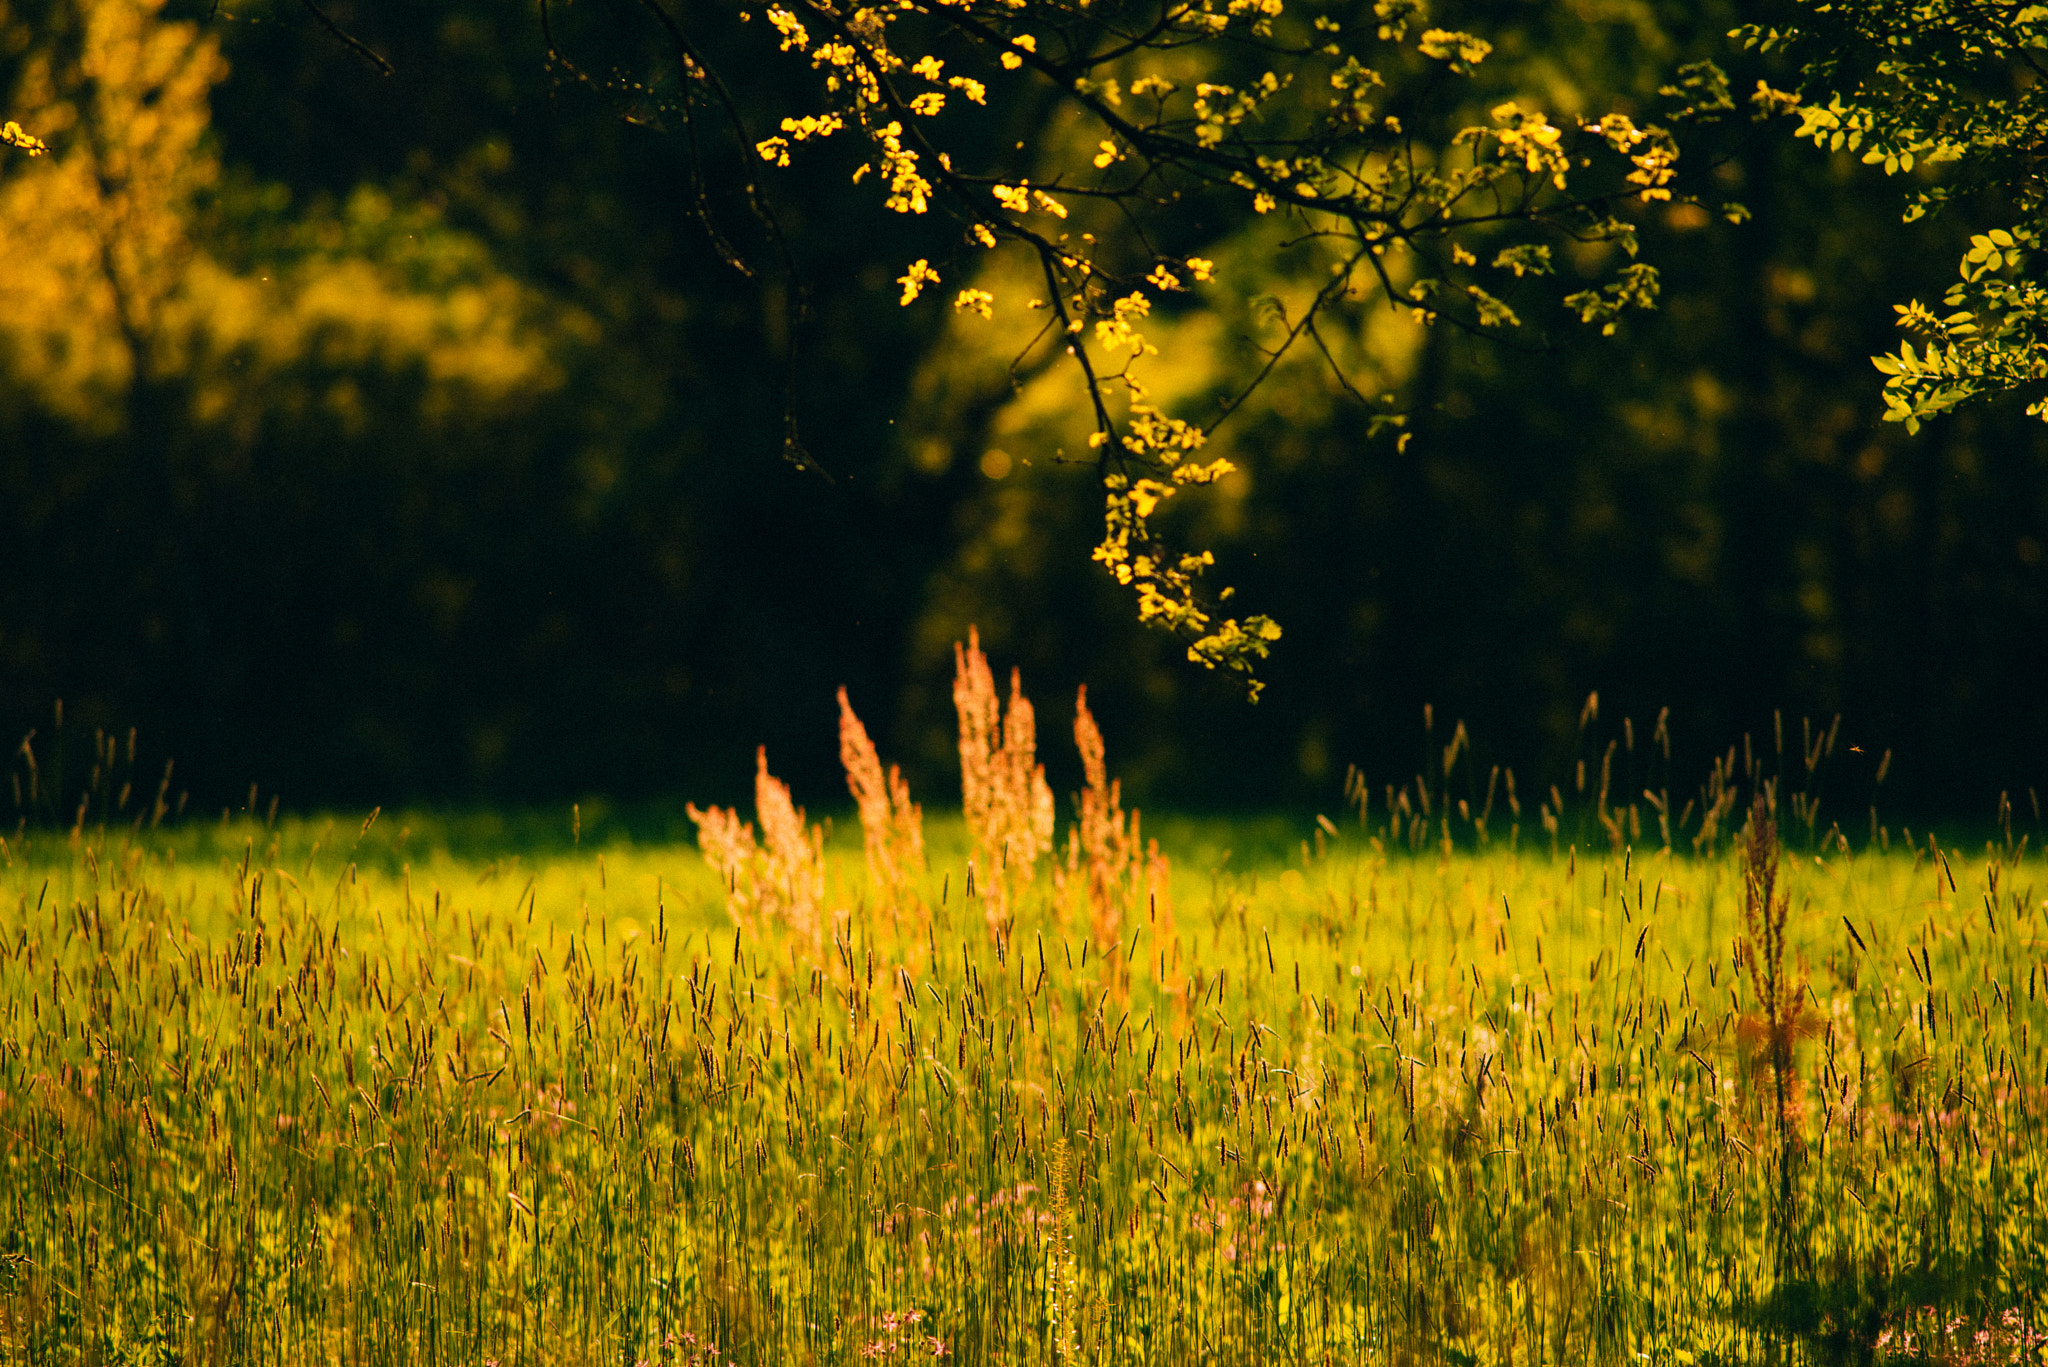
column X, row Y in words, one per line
column 730, row 849
column 1114, row 868
column 794, row 875
column 892, row 826
column 1003, row 792
column 781, row 878
column 1104, row 842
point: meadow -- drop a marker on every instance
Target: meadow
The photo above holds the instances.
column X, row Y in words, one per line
column 1427, row 1089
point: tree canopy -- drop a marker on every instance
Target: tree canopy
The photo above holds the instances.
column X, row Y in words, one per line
column 1399, row 173
column 1402, row 170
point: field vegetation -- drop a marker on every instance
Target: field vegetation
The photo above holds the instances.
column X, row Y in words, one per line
column 1448, row 1084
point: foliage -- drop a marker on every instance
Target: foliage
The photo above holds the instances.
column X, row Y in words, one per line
column 1352, row 127
column 137, row 287
column 125, row 100
column 1948, row 94
column 13, row 135
column 1711, row 488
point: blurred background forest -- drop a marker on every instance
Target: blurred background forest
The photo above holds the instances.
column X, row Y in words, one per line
column 382, row 438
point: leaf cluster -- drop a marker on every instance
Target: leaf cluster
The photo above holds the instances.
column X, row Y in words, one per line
column 1948, row 94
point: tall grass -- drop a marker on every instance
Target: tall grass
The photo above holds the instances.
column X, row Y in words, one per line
column 267, row 1102
column 1502, row 1107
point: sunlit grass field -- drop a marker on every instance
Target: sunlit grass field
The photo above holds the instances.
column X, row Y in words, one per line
column 312, row 1094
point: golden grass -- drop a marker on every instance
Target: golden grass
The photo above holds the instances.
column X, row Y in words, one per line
column 299, row 1096
column 1495, row 1107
